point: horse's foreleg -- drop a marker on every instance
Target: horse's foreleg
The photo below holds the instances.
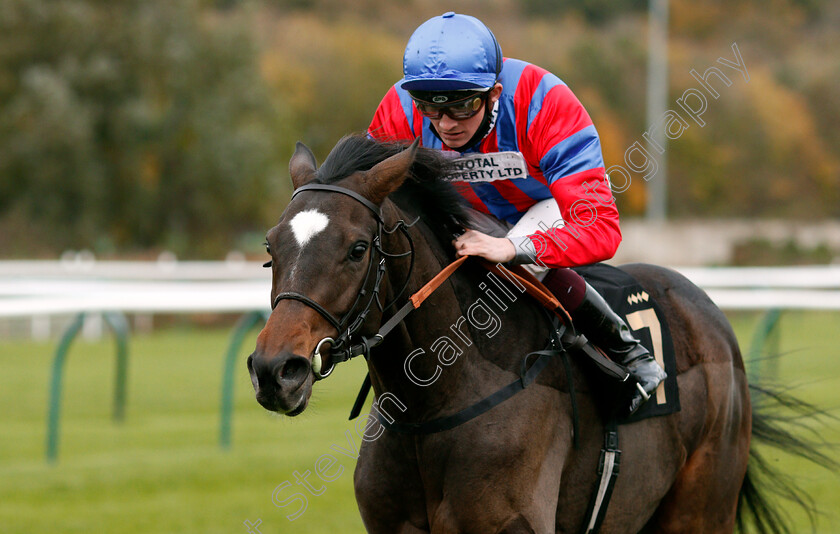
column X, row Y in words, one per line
column 388, row 489
column 503, row 476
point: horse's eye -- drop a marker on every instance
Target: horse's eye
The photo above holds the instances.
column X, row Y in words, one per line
column 268, row 251
column 357, row 251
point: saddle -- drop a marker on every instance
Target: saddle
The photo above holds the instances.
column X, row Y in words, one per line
column 644, row 316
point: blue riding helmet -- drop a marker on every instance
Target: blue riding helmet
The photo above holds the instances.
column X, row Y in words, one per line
column 451, row 52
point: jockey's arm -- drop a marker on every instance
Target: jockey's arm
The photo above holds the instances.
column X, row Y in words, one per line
column 589, row 231
column 563, row 143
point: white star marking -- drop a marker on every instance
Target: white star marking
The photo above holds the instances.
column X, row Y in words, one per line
column 306, row 224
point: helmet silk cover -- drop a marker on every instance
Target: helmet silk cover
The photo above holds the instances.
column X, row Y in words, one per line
column 451, row 52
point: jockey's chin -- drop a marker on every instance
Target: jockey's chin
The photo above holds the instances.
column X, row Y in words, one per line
column 454, row 141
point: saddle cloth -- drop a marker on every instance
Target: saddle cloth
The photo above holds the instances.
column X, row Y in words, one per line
column 646, row 319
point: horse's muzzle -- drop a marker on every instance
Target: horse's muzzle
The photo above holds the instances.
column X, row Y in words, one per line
column 282, row 384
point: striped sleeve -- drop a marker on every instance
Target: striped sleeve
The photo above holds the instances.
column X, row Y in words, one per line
column 560, row 134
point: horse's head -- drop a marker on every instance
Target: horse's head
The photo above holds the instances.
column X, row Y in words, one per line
column 323, row 272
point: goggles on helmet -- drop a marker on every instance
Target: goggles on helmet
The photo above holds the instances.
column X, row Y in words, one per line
column 436, row 104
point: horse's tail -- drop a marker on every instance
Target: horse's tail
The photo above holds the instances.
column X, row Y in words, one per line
column 784, row 422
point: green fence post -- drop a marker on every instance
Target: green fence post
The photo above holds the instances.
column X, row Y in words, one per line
column 243, row 326
column 119, row 326
column 767, row 327
column 54, row 404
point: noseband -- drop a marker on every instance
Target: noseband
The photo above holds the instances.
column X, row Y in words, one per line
column 342, row 347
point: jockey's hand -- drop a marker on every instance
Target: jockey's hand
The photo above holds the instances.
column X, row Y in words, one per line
column 495, row 249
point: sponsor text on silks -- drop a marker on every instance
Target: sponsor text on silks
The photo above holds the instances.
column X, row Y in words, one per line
column 489, row 167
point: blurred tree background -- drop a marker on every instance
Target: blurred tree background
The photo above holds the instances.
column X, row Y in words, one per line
column 132, row 126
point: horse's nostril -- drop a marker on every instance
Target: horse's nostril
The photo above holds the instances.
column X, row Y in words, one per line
column 295, row 370
column 252, row 373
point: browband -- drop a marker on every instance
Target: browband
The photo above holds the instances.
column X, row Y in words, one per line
column 344, row 191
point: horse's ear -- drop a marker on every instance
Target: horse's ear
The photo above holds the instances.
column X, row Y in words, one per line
column 388, row 175
column 302, row 165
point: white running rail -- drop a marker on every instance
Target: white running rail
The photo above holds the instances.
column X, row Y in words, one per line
column 44, row 288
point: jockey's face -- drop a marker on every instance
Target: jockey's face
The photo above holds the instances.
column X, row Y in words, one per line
column 456, row 133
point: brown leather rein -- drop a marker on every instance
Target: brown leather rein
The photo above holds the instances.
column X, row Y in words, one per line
column 532, row 286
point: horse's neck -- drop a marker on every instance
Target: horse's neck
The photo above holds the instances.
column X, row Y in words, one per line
column 460, row 345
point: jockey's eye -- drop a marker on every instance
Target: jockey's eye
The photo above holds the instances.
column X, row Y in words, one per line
column 357, row 251
column 268, row 251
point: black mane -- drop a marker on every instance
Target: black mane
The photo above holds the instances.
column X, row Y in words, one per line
column 423, row 194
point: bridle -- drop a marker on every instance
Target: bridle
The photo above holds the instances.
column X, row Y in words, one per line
column 346, row 344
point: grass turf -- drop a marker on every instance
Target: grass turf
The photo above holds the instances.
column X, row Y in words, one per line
column 162, row 471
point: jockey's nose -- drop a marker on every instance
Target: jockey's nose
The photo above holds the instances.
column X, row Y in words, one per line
column 447, row 123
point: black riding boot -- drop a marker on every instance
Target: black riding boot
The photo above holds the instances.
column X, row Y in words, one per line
column 600, row 324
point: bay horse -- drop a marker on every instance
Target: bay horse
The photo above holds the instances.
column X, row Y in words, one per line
column 371, row 226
